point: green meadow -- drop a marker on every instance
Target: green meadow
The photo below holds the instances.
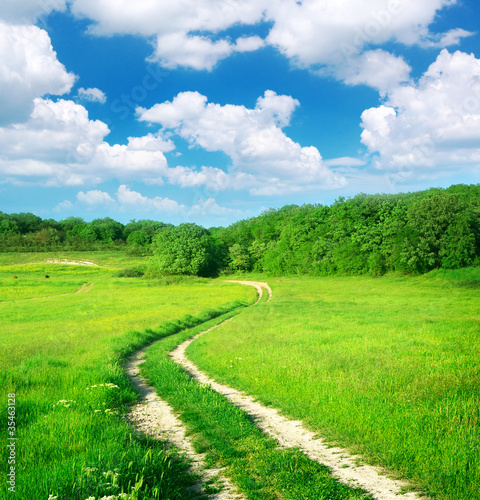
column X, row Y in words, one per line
column 62, row 357
column 388, row 367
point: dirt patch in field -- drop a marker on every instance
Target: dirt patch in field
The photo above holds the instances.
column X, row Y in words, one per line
column 291, row 433
column 154, row 417
column 71, row 262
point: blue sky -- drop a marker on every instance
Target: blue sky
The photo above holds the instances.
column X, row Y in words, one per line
column 212, row 112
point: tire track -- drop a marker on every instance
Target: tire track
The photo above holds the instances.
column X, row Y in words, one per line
column 154, row 417
column 86, row 287
column 292, row 433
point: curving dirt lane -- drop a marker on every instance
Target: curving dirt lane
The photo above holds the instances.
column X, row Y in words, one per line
column 292, row 433
column 259, row 285
column 154, row 417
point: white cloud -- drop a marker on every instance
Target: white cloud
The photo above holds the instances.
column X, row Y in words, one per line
column 59, row 145
column 150, row 142
column 147, row 17
column 28, row 11
column 92, row 95
column 211, row 207
column 249, row 44
column 263, row 158
column 28, row 69
column 186, row 106
column 95, row 197
column 197, row 52
column 433, row 124
column 128, row 198
column 317, row 34
column 442, row 40
column 214, row 179
column 323, row 32
column 376, row 68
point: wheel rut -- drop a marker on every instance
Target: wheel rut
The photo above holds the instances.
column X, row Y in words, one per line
column 292, row 433
column 154, row 417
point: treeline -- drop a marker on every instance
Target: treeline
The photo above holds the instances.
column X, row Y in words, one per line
column 28, row 232
column 367, row 234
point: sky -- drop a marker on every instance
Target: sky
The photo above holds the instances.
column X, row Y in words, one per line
column 212, row 111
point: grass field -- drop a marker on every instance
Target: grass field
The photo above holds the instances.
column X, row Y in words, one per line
column 62, row 356
column 229, row 438
column 389, row 367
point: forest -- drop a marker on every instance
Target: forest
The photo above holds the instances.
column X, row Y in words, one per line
column 367, row 234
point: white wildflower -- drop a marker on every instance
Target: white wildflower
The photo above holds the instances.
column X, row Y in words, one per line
column 64, row 402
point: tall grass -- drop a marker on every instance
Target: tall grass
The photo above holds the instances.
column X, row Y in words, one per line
column 62, row 357
column 388, row 367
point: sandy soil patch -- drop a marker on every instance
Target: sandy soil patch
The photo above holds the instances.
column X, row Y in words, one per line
column 71, row 262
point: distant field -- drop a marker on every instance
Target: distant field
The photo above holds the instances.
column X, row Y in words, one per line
column 389, row 367
column 107, row 259
column 62, row 355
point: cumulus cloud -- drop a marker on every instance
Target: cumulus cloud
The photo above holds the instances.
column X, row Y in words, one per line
column 95, row 197
column 148, row 18
column 126, row 199
column 261, row 153
column 322, row 32
column 92, row 95
column 28, row 11
column 337, row 37
column 448, row 39
column 28, row 69
column 211, row 207
column 214, row 179
column 197, row 52
column 150, row 142
column 376, row 68
column 60, row 145
column 249, row 44
column 432, row 124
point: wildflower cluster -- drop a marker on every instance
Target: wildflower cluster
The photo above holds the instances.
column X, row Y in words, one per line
column 96, row 393
column 120, row 496
column 108, row 385
column 65, row 403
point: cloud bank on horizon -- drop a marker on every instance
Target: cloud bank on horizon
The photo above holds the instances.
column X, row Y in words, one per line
column 423, row 129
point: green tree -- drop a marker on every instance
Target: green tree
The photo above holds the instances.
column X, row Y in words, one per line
column 107, row 229
column 239, row 258
column 185, row 249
